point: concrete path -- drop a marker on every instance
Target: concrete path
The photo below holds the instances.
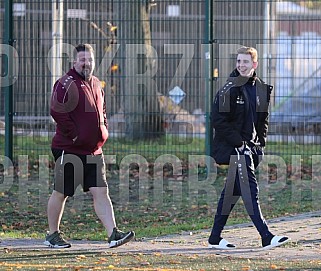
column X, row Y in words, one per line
column 304, row 231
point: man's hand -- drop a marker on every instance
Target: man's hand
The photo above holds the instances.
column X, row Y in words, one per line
column 242, row 147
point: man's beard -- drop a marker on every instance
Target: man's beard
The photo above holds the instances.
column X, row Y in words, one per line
column 86, row 73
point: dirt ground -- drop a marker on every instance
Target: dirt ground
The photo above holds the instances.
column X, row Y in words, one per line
column 304, row 231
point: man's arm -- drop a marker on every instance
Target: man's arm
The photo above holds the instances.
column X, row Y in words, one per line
column 264, row 92
column 221, row 117
column 104, row 109
column 64, row 100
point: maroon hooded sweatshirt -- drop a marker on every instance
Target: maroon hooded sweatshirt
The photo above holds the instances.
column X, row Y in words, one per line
column 78, row 108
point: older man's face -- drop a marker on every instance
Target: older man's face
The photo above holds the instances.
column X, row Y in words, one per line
column 85, row 64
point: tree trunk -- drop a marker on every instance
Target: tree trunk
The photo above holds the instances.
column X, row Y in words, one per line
column 143, row 119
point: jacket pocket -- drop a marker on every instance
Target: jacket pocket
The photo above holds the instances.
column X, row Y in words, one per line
column 222, row 153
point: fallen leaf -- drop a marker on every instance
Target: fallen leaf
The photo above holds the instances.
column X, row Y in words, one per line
column 174, row 262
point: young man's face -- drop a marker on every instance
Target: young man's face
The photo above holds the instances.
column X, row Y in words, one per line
column 245, row 65
column 85, row 64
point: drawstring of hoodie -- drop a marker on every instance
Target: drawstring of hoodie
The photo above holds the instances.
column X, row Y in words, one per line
column 238, row 154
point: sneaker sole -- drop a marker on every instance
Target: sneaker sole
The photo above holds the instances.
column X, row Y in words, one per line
column 122, row 241
column 47, row 243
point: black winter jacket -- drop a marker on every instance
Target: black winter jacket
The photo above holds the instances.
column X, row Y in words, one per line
column 229, row 111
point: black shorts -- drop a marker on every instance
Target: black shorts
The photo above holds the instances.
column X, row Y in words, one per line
column 72, row 170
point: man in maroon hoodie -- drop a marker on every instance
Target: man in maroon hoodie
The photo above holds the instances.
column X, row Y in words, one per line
column 78, row 108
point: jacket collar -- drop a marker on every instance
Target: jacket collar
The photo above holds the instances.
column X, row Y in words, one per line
column 239, row 80
column 74, row 73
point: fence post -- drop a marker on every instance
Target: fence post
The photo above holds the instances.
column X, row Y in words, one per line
column 209, row 75
column 8, row 39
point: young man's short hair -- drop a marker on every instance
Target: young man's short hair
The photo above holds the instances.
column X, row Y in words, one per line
column 248, row 51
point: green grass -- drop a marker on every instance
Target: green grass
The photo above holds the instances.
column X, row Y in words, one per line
column 86, row 260
column 23, row 202
column 23, row 212
column 34, row 145
column 287, row 150
column 24, row 197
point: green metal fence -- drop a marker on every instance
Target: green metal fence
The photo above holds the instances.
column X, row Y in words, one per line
column 182, row 52
column 287, row 35
column 143, row 119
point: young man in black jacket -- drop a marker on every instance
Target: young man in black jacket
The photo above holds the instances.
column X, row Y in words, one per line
column 240, row 119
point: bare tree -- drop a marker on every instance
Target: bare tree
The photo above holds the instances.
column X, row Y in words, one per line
column 143, row 119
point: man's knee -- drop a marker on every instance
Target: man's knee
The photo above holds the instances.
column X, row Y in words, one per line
column 99, row 191
column 56, row 195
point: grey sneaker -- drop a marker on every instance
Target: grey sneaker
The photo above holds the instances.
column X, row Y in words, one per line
column 56, row 240
column 119, row 238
